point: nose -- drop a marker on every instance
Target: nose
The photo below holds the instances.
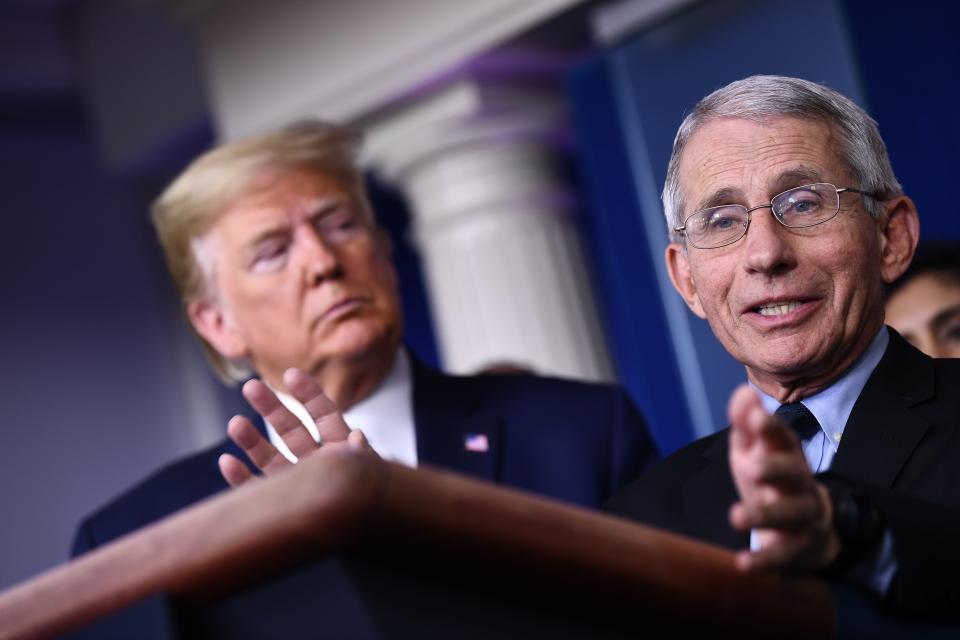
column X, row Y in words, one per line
column 319, row 260
column 768, row 246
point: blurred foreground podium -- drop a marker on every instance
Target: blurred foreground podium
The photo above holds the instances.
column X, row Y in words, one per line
column 348, row 546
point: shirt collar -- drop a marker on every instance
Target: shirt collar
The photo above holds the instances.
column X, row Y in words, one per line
column 832, row 406
column 388, row 409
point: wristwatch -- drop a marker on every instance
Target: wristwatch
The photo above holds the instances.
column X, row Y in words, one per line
column 859, row 524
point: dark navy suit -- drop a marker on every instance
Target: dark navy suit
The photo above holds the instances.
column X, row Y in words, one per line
column 901, row 447
column 573, row 441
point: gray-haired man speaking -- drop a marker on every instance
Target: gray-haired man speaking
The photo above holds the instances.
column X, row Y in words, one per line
column 786, row 223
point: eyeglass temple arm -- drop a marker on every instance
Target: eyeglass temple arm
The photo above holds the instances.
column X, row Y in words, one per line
column 860, row 191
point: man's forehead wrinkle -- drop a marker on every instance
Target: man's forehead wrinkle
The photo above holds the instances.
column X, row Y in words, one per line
column 727, row 174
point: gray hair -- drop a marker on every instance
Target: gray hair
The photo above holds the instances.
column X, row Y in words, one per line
column 196, row 199
column 760, row 98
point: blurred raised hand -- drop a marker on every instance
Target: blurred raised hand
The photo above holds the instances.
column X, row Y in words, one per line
column 779, row 496
column 334, row 432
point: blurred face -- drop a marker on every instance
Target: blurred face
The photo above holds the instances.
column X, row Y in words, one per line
column 302, row 277
column 926, row 311
column 796, row 306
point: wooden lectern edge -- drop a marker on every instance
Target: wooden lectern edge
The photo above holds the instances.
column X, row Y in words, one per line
column 326, row 502
column 199, row 553
column 652, row 565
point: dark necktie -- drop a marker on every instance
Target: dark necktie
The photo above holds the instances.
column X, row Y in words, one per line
column 800, row 418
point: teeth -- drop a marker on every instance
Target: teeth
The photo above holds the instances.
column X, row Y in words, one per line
column 777, row 308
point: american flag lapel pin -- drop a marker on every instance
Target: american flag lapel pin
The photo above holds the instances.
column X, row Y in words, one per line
column 476, row 442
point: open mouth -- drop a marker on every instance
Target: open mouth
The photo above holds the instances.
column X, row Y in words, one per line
column 777, row 308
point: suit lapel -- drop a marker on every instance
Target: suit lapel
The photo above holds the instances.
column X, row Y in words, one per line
column 707, row 497
column 880, row 437
column 882, row 432
column 453, row 429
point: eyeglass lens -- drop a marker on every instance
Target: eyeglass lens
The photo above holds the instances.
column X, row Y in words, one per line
column 803, row 206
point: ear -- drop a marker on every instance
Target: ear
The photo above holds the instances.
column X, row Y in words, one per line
column 213, row 324
column 679, row 269
column 899, row 230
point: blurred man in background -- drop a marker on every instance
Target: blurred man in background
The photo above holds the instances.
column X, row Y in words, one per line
column 280, row 264
column 924, row 303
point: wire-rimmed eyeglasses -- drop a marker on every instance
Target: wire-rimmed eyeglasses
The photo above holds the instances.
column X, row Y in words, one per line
column 805, row 206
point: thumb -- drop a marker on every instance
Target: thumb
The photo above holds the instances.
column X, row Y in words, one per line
column 358, row 442
column 744, row 402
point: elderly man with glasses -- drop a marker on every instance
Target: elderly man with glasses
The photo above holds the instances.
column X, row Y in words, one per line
column 843, row 450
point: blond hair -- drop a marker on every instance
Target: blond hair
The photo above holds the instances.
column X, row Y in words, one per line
column 194, row 201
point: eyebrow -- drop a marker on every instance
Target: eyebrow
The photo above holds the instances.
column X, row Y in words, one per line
column 944, row 316
column 318, row 209
column 264, row 235
column 786, row 180
column 726, row 195
column 795, row 178
column 324, row 207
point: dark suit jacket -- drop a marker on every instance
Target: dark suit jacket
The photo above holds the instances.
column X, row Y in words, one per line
column 901, row 446
column 573, row 441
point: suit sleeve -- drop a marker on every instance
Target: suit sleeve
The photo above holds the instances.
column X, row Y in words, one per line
column 632, row 448
column 925, row 539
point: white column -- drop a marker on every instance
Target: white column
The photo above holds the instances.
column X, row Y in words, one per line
column 480, row 166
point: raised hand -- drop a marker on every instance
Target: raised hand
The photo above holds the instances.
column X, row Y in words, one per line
column 778, row 493
column 334, row 432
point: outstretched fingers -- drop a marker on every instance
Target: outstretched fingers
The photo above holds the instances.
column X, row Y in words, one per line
column 328, row 419
column 784, row 512
column 233, row 470
column 741, row 410
column 297, row 438
column 779, row 497
column 751, row 425
column 261, row 452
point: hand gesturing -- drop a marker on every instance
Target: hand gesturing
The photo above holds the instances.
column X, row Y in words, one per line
column 779, row 496
column 334, row 432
